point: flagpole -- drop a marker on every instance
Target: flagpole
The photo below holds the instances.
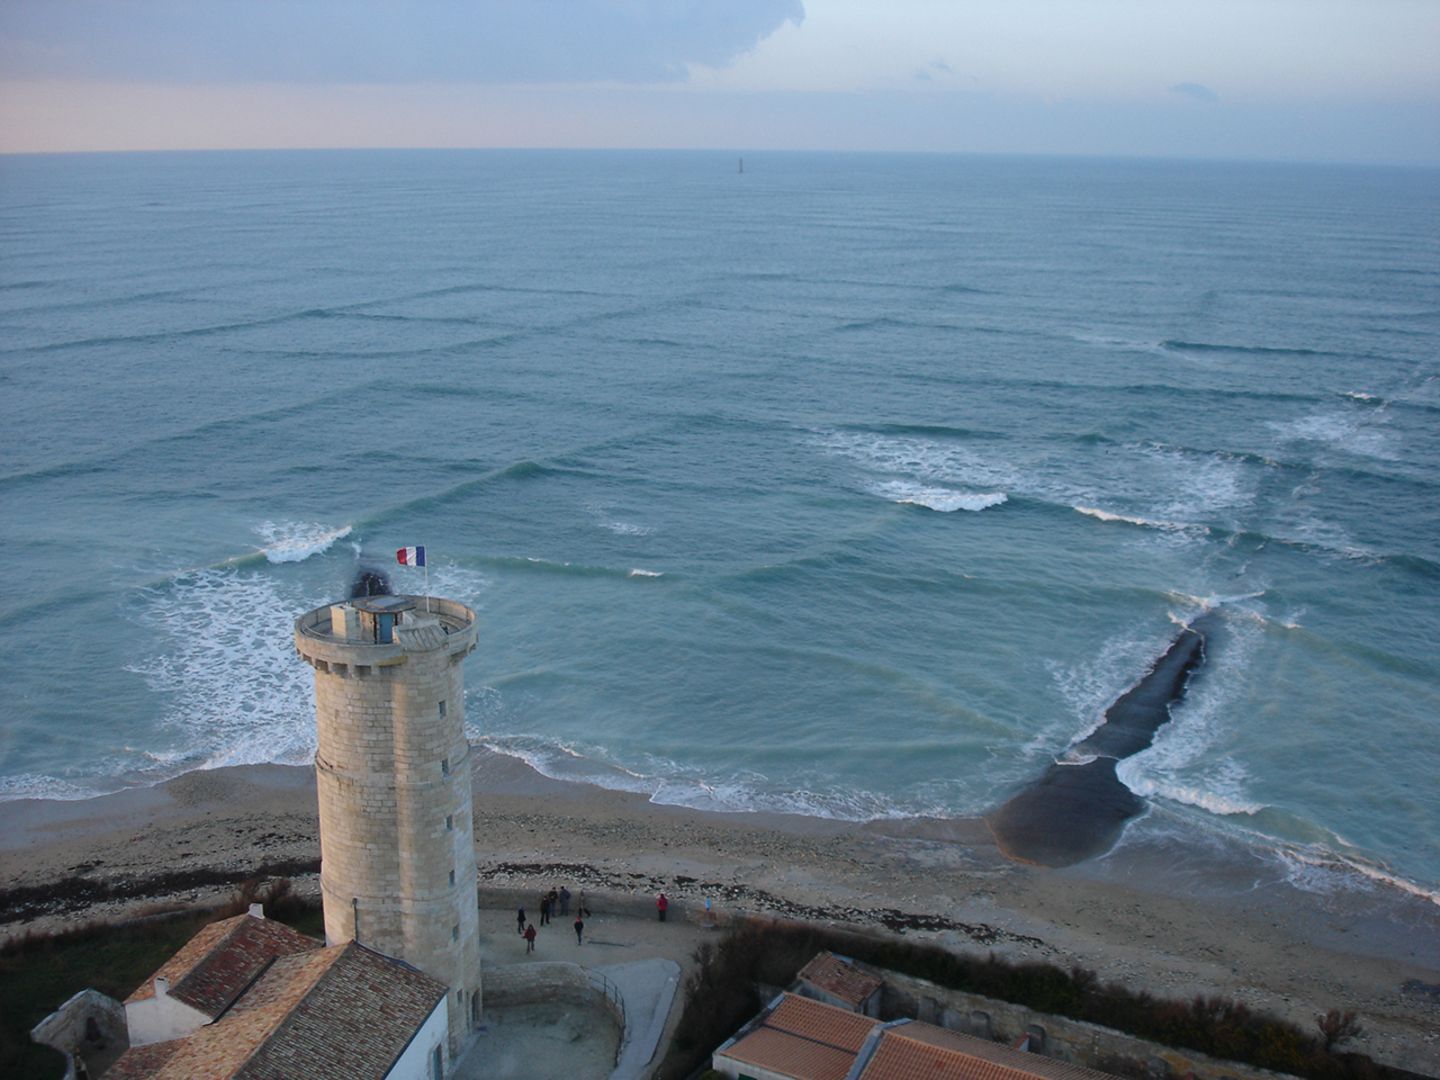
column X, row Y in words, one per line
column 427, row 582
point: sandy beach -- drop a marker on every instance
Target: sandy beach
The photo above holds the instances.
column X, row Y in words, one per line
column 1146, row 915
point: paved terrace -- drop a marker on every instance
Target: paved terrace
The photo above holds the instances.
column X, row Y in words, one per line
column 643, row 963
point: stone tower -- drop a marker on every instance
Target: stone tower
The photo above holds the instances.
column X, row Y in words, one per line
column 397, row 854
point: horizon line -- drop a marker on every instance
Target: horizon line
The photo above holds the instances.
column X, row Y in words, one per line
column 729, row 151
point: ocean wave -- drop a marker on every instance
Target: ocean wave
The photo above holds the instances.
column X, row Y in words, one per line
column 1316, row 869
column 941, row 431
column 1090, row 686
column 923, row 459
column 667, row 783
column 1349, row 431
column 1214, row 802
column 637, row 572
column 295, row 541
column 1249, row 350
column 1167, row 526
column 942, row 500
column 234, row 693
column 537, row 565
column 1183, row 764
column 41, row 786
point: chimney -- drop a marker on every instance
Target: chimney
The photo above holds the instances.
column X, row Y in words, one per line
column 257, row 911
column 162, row 986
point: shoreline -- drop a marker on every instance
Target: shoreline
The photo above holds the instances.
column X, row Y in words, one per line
column 1174, row 920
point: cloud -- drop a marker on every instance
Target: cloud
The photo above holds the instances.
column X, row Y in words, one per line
column 1196, row 91
column 381, row 41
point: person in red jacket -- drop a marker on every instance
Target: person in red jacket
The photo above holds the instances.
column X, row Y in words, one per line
column 530, row 938
column 662, row 905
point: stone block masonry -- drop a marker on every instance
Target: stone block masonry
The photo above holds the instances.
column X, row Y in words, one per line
column 397, row 855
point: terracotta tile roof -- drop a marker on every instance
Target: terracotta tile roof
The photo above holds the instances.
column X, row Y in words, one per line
column 221, row 959
column 916, row 1051
column 820, row 1022
column 339, row 1012
column 840, row 979
column 139, row 1062
column 804, row 1038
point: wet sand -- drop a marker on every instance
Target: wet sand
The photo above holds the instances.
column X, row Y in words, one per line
column 1176, row 921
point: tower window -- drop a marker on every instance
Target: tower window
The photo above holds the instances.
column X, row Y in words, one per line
column 455, row 932
column 449, row 822
column 445, row 766
column 452, row 877
column 442, row 710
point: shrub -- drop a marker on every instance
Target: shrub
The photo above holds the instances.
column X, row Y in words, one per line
column 720, row 995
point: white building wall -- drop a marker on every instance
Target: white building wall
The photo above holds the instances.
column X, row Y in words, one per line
column 735, row 1069
column 414, row 1063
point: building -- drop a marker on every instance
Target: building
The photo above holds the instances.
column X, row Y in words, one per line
column 798, row 1038
column 250, row 999
column 835, row 980
column 392, row 766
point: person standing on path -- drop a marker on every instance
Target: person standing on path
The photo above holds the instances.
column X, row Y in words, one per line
column 579, row 930
column 544, row 910
column 662, row 905
column 530, row 938
column 564, row 900
column 520, row 919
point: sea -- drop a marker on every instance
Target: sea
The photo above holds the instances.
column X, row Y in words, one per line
column 851, row 485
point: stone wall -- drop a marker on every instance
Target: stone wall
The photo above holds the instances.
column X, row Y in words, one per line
column 547, row 980
column 601, row 904
column 1057, row 1037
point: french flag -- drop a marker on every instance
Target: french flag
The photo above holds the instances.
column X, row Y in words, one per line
column 411, row 556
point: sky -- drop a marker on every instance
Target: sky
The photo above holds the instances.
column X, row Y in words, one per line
column 1288, row 80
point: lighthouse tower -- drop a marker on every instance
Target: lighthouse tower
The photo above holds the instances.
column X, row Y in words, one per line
column 392, row 766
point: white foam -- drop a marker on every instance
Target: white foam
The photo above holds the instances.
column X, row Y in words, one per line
column 296, row 541
column 1168, row 526
column 1187, row 762
column 601, row 512
column 235, row 693
column 1092, row 684
column 459, row 583
column 942, row 500
column 666, row 783
column 1149, row 485
column 1350, row 430
column 1316, row 870
column 40, row 786
column 1215, row 802
column 637, row 572
column 627, row 528
column 1198, row 485
column 926, row 460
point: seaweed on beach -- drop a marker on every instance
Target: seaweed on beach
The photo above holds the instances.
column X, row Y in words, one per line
column 75, row 893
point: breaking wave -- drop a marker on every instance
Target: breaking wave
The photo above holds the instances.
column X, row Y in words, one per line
column 292, row 541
